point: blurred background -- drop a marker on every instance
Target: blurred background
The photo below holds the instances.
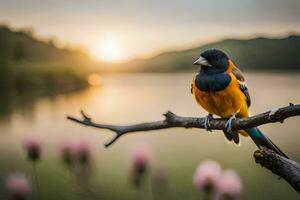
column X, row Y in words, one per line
column 126, row 62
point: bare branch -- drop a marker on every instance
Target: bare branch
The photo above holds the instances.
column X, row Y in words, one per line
column 283, row 167
column 172, row 120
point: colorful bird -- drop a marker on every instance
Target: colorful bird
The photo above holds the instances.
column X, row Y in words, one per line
column 221, row 90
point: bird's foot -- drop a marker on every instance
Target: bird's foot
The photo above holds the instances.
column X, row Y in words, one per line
column 207, row 120
column 229, row 123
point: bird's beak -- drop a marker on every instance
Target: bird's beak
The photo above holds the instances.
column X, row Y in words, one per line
column 201, row 61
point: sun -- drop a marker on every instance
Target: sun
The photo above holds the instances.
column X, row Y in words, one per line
column 109, row 50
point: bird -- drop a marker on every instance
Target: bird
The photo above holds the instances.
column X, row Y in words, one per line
column 220, row 88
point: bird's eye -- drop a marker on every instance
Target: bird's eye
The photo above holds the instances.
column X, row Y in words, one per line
column 215, row 58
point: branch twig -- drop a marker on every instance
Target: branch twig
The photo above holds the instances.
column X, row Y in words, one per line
column 283, row 167
column 173, row 120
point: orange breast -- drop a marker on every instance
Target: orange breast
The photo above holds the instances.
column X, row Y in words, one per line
column 223, row 103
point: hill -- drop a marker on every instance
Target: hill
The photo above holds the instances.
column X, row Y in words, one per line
column 26, row 62
column 251, row 54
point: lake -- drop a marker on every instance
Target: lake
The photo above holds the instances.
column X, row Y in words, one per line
column 133, row 98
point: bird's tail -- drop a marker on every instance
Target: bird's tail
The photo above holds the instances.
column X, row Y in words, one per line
column 262, row 140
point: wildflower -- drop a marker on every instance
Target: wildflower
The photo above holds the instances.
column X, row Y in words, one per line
column 67, row 152
column 207, row 176
column 83, row 152
column 229, row 186
column 18, row 187
column 33, row 148
column 140, row 163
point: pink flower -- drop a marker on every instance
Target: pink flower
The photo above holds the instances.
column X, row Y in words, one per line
column 207, row 175
column 67, row 151
column 229, row 186
column 18, row 186
column 33, row 147
column 76, row 150
column 140, row 163
column 83, row 152
column 140, row 157
column 67, row 146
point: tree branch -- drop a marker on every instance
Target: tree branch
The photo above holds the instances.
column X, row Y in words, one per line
column 283, row 167
column 172, row 120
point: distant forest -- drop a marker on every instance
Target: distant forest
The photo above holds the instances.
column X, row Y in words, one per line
column 27, row 63
column 251, row 54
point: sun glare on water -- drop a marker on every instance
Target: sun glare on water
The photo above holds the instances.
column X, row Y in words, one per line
column 109, row 50
column 94, row 79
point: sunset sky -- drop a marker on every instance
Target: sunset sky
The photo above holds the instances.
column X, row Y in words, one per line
column 119, row 30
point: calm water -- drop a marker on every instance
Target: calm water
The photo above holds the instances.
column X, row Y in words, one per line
column 132, row 98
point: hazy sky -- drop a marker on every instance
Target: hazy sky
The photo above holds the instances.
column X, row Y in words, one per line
column 123, row 29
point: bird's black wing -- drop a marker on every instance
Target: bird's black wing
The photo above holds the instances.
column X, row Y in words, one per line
column 243, row 86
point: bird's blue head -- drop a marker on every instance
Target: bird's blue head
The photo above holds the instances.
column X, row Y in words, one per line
column 213, row 61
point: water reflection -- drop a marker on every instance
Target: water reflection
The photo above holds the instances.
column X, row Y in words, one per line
column 23, row 103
